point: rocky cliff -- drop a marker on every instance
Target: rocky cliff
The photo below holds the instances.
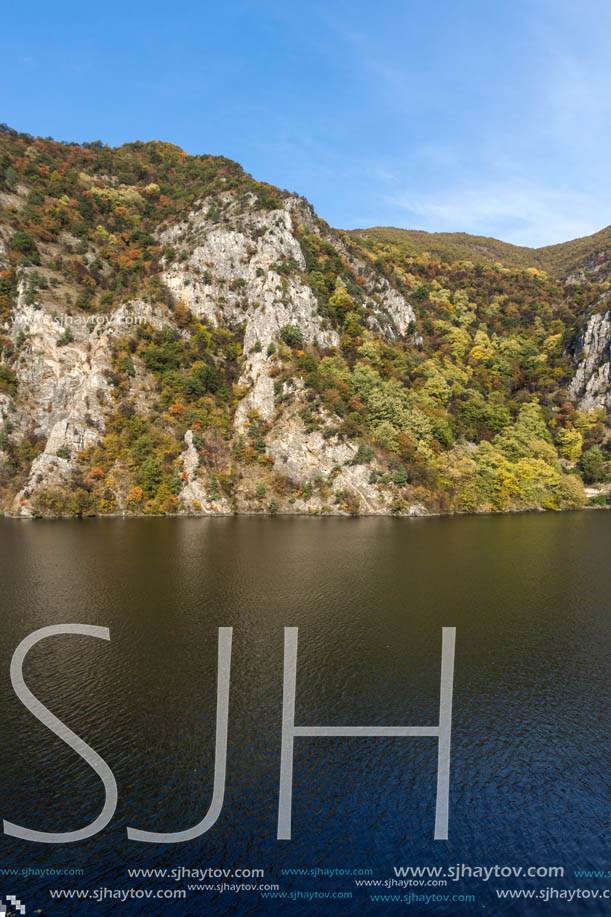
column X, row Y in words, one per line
column 231, row 267
column 591, row 385
column 178, row 338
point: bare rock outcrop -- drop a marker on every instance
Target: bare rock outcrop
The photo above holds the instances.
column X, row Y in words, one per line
column 199, row 494
column 591, row 384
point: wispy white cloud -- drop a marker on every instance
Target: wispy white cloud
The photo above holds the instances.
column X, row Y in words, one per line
column 572, row 88
column 532, row 169
column 524, row 215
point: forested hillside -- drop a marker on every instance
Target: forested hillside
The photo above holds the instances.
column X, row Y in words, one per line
column 588, row 257
column 176, row 337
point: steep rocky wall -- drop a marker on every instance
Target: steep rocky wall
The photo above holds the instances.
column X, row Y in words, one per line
column 591, row 385
column 63, row 390
column 233, row 266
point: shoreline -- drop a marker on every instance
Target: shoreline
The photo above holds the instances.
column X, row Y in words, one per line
column 312, row 515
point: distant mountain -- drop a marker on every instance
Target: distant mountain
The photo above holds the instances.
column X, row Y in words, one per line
column 589, row 257
column 179, row 338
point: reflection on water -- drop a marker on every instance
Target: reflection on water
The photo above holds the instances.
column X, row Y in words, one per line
column 529, row 596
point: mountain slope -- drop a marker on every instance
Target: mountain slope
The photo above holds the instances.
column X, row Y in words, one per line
column 453, row 246
column 176, row 337
column 588, row 257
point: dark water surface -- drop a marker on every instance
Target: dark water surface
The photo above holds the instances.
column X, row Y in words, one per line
column 529, row 596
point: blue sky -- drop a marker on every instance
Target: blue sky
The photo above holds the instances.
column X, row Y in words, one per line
column 445, row 115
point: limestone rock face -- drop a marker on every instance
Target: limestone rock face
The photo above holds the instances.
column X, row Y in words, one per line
column 591, row 385
column 400, row 311
column 240, row 267
column 229, row 275
column 4, row 262
column 58, row 381
column 260, row 398
column 5, row 408
column 197, row 495
column 63, row 389
column 307, row 457
column 50, row 469
column 302, row 456
column 233, row 265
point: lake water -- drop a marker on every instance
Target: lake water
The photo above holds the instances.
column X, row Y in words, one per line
column 529, row 596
